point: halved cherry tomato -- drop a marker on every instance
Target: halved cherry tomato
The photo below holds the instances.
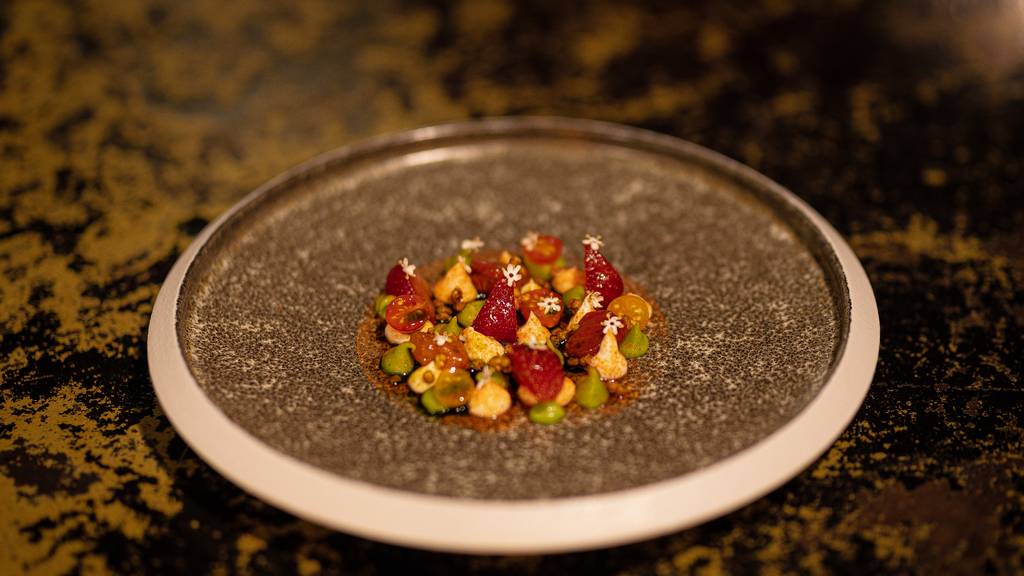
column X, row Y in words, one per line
column 546, row 250
column 426, row 349
column 531, row 302
column 408, row 313
column 633, row 307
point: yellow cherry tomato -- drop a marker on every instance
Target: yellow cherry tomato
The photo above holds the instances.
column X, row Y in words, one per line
column 633, row 307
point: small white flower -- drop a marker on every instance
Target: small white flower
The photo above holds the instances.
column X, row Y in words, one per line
column 550, row 304
column 596, row 298
column 440, row 339
column 530, row 240
column 409, row 269
column 511, row 273
column 594, row 242
column 473, row 244
column 611, row 325
column 465, row 265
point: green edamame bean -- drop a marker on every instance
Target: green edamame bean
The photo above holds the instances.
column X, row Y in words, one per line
column 398, row 361
column 591, row 391
column 575, row 293
column 547, row 413
column 380, row 305
column 635, row 344
column 431, row 404
column 469, row 313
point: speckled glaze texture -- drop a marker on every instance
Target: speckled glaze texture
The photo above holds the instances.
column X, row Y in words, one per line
column 270, row 308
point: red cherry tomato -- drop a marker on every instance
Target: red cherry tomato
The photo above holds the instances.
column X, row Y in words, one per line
column 531, row 303
column 426, row 349
column 546, row 250
column 408, row 313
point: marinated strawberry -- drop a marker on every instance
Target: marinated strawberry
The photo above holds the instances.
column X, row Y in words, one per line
column 544, row 304
column 497, row 318
column 586, row 340
column 539, row 370
column 601, row 276
column 402, row 280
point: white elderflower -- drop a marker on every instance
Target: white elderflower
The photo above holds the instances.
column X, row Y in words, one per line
column 512, row 275
column 593, row 242
column 530, row 240
column 472, row 245
column 550, row 304
column 409, row 269
column 611, row 325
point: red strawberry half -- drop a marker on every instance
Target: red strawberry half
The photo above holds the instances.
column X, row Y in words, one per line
column 497, row 318
column 586, row 340
column 540, row 371
column 601, row 276
column 399, row 283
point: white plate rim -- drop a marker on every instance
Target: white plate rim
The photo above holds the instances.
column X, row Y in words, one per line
column 529, row 526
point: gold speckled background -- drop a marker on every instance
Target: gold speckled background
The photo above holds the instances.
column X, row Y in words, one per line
column 126, row 126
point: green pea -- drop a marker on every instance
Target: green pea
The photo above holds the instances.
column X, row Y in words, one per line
column 398, row 361
column 380, row 306
column 547, row 413
column 469, row 313
column 634, row 345
column 431, row 404
column 591, row 391
column 575, row 293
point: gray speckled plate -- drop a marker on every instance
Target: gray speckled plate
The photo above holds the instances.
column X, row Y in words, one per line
column 768, row 346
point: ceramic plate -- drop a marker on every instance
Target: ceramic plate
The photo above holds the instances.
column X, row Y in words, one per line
column 767, row 348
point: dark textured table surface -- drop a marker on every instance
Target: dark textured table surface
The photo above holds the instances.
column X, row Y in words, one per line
column 126, row 126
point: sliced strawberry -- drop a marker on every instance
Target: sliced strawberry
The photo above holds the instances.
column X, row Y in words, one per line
column 601, row 276
column 586, row 340
column 497, row 318
column 540, row 371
